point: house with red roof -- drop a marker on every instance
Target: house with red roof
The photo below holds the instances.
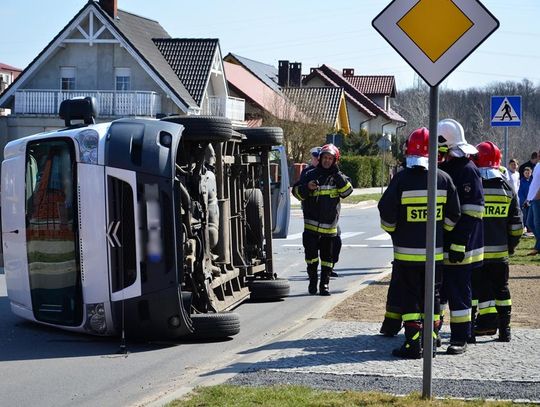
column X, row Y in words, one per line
column 8, row 74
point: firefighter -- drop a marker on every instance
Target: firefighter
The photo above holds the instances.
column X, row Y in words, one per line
column 464, row 246
column 320, row 191
column 503, row 228
column 403, row 212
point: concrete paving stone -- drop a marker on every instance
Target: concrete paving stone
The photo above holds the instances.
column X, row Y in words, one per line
column 352, row 348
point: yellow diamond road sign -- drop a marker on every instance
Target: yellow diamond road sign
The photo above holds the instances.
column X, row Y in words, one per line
column 435, row 36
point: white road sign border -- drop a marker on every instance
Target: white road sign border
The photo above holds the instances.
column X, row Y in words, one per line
column 435, row 72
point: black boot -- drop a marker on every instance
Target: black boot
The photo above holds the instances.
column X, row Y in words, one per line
column 325, row 280
column 390, row 326
column 412, row 348
column 456, row 347
column 313, row 279
column 505, row 334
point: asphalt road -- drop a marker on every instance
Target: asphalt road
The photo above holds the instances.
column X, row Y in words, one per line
column 49, row 367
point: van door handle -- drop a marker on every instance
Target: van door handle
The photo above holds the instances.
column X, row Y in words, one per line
column 14, row 231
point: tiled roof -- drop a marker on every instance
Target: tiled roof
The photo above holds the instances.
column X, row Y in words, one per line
column 266, row 73
column 334, row 78
column 140, row 32
column 6, row 67
column 191, row 60
column 321, row 104
column 374, row 84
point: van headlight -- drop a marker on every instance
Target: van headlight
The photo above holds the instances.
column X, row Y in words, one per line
column 88, row 146
column 96, row 320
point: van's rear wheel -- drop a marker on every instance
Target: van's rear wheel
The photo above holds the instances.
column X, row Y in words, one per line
column 215, row 325
column 262, row 136
column 265, row 290
column 203, row 128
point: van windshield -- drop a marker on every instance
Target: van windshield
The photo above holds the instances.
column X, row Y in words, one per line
column 51, row 230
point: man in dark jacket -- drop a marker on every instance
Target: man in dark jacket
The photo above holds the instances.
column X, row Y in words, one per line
column 403, row 211
column 320, row 191
column 464, row 246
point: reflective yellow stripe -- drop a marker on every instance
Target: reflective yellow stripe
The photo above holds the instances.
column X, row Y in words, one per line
column 474, row 303
column 495, row 255
column 420, row 200
column 503, row 303
column 488, row 310
column 469, row 260
column 474, row 214
column 312, row 261
column 332, row 193
column 457, row 320
column 416, row 257
column 392, row 315
column 457, row 248
column 497, row 198
column 517, row 232
column 327, row 264
column 388, row 229
column 344, row 188
column 419, row 213
column 411, row 317
column 320, row 229
column 416, row 336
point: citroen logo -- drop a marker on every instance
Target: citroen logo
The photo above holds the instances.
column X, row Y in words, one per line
column 112, row 237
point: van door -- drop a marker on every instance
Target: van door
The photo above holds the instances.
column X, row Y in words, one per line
column 280, row 196
column 14, row 231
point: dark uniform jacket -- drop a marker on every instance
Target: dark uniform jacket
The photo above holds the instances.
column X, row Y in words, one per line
column 321, row 207
column 403, row 211
column 468, row 235
column 503, row 224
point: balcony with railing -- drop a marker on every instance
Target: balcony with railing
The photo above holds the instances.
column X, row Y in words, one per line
column 232, row 108
column 109, row 103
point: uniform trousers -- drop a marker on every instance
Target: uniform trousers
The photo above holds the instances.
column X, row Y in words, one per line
column 457, row 290
column 490, row 288
column 315, row 246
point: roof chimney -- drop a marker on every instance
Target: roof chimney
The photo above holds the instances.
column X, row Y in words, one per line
column 295, row 74
column 348, row 72
column 110, row 7
column 283, row 73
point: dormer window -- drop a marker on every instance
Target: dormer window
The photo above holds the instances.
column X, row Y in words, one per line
column 68, row 75
column 123, row 79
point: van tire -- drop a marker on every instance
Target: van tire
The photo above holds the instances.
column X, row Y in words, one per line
column 203, row 128
column 215, row 325
column 261, row 136
column 254, row 216
column 264, row 290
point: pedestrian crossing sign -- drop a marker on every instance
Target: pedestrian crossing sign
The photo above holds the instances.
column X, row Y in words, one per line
column 505, row 111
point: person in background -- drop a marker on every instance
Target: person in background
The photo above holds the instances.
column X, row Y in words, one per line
column 531, row 163
column 533, row 201
column 524, row 186
column 513, row 174
column 320, row 191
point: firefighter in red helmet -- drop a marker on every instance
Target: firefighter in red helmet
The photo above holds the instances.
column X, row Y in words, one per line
column 503, row 228
column 320, row 191
column 403, row 212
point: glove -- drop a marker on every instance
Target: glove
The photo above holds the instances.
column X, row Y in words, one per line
column 456, row 253
column 455, row 257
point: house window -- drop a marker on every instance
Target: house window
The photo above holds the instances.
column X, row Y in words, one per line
column 67, row 77
column 123, row 78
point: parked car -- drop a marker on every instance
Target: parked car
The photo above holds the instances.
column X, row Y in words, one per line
column 145, row 227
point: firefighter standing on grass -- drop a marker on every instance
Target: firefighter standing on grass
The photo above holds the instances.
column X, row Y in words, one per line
column 403, row 211
column 320, row 191
column 464, row 246
column 503, row 228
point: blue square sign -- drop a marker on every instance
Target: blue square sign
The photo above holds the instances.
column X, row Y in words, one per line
column 505, row 111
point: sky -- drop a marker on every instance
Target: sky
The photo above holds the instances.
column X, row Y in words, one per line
column 337, row 33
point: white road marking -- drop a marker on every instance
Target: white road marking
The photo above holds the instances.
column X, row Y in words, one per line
column 382, row 236
column 347, row 235
column 294, row 236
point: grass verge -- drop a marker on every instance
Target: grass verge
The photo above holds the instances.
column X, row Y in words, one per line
column 520, row 256
column 300, row 396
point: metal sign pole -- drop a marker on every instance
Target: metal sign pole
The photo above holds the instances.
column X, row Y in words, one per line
column 430, row 243
column 505, row 163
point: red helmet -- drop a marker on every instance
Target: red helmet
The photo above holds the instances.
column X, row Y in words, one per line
column 489, row 155
column 330, row 149
column 418, row 143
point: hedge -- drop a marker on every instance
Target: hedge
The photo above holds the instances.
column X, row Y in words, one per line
column 364, row 171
